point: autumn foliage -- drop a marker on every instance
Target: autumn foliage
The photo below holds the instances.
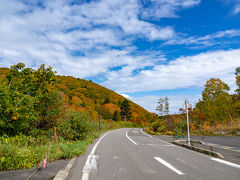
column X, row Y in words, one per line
column 38, row 99
column 217, row 110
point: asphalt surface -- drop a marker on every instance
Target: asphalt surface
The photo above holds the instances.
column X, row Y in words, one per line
column 228, row 142
column 47, row 173
column 131, row 154
column 228, row 146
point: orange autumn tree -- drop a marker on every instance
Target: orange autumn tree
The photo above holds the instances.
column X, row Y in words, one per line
column 108, row 110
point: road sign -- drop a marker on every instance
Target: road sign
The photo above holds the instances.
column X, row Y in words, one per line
column 186, row 105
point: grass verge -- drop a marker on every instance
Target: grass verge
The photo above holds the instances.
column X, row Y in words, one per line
column 21, row 151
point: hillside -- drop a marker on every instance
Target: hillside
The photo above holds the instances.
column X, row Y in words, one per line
column 41, row 113
column 82, row 95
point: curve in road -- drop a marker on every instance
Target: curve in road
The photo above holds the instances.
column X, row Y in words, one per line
column 132, row 154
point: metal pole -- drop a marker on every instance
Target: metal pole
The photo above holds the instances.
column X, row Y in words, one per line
column 99, row 127
column 188, row 126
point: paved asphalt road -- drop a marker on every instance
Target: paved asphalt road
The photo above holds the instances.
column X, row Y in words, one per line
column 229, row 142
column 127, row 154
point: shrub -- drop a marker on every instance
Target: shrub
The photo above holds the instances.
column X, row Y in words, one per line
column 75, row 126
column 158, row 125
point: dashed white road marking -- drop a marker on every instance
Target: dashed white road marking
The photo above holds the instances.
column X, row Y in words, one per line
column 91, row 163
column 130, row 138
column 135, row 131
column 226, row 162
column 165, row 163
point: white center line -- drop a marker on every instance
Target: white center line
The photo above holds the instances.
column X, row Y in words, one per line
column 226, row 162
column 165, row 163
column 130, row 138
column 135, row 131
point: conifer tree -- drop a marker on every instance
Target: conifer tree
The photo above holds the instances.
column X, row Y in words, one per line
column 116, row 116
column 125, row 110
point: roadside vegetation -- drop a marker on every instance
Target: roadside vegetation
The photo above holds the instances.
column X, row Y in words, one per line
column 44, row 115
column 217, row 113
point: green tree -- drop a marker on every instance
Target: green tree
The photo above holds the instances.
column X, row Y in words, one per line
column 27, row 99
column 160, row 105
column 106, row 101
column 125, row 110
column 166, row 106
column 163, row 106
column 216, row 102
column 17, row 112
column 237, row 76
column 236, row 96
column 116, row 116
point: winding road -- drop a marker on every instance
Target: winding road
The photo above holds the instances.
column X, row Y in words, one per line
column 131, row 154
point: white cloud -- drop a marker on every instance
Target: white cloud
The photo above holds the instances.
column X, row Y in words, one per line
column 237, row 9
column 183, row 72
column 235, row 4
column 79, row 39
column 157, row 9
column 207, row 40
column 126, row 96
column 85, row 39
column 175, row 102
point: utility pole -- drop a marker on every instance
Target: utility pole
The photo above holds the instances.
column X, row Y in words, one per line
column 100, row 112
column 186, row 106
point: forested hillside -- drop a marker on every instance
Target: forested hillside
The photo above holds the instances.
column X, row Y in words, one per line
column 42, row 114
column 39, row 99
column 90, row 97
column 82, row 95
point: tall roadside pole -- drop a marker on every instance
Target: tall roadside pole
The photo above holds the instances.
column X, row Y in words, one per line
column 99, row 119
column 186, row 106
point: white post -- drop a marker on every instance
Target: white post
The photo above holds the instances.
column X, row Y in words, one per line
column 188, row 127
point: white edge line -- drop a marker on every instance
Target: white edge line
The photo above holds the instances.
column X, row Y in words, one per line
column 130, row 138
column 69, row 166
column 226, row 162
column 86, row 174
column 165, row 163
column 145, row 133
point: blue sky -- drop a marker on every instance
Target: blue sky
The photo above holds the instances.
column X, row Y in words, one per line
column 142, row 49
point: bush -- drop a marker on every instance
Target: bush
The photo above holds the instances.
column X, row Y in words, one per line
column 19, row 152
column 22, row 151
column 75, row 126
column 158, row 126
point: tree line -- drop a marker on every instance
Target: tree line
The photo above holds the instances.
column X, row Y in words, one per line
column 217, row 107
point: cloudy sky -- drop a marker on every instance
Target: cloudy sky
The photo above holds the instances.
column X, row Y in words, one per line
column 142, row 49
